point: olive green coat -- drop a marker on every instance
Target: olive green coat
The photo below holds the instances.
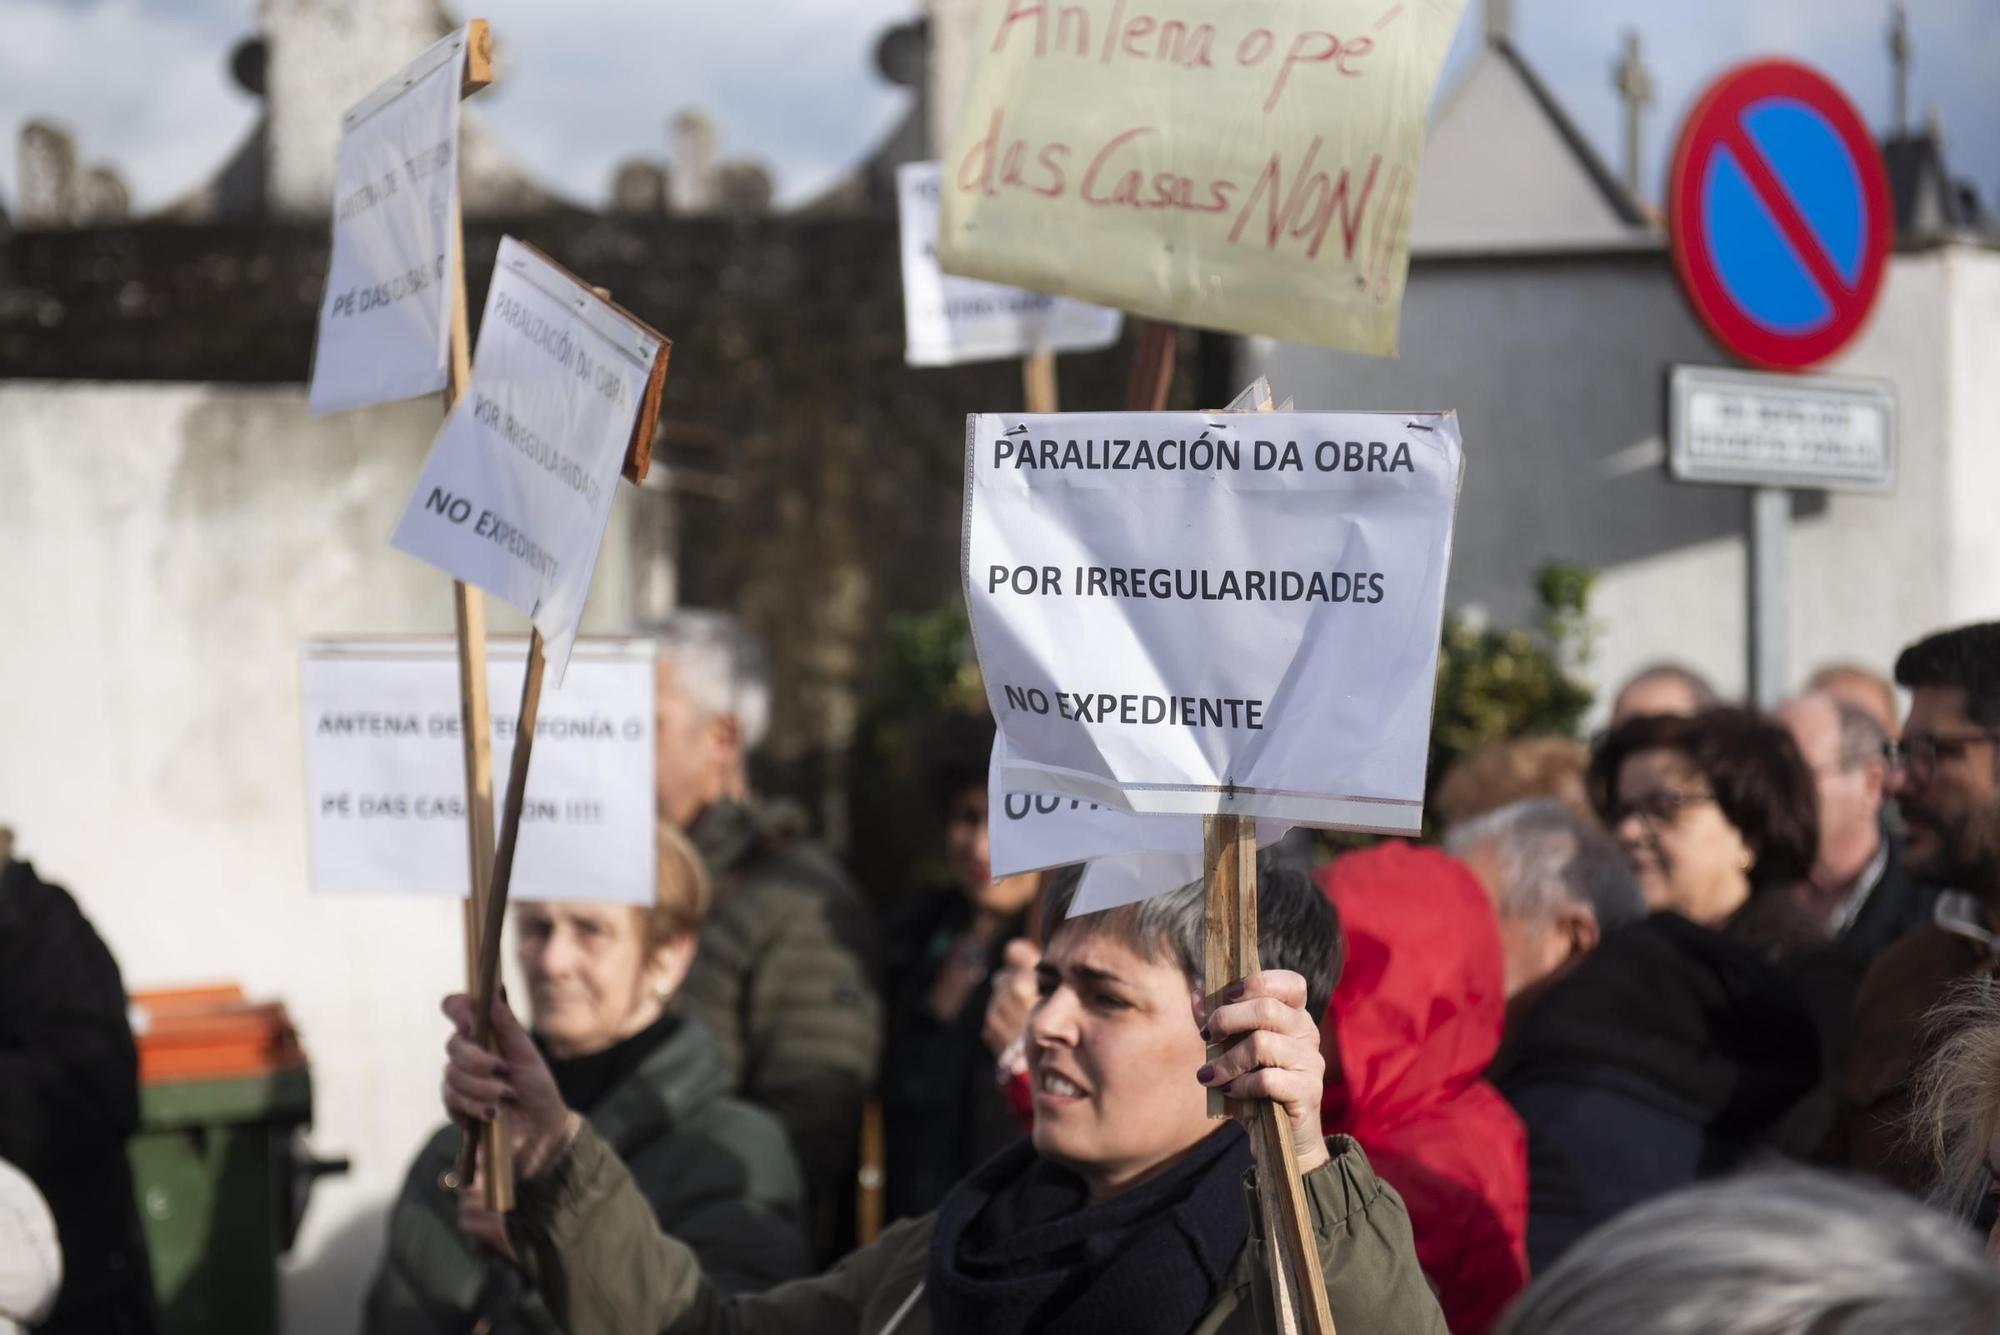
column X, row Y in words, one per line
column 589, row 1239
column 719, row 1173
column 786, row 981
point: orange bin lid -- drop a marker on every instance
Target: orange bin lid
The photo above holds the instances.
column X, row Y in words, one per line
column 209, row 1033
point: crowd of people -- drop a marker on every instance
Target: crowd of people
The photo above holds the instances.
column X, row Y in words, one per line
column 1690, row 1028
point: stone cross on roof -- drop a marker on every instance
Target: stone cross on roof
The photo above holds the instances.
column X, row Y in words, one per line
column 1635, row 89
column 1899, row 56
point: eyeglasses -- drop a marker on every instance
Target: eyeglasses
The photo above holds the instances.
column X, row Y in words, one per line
column 1662, row 806
column 1917, row 753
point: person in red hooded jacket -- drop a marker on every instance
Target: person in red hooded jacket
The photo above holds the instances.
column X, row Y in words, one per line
column 1415, row 1019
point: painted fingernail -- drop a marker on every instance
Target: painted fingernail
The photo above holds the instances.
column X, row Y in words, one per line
column 502, row 1072
column 1235, row 992
column 510, row 1099
column 491, row 1112
column 1205, row 1035
column 1205, row 1074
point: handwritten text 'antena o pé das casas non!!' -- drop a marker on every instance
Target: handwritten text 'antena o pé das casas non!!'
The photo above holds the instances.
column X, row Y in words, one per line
column 1284, row 198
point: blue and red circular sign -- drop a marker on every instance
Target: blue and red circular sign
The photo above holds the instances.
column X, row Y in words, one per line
column 1778, row 213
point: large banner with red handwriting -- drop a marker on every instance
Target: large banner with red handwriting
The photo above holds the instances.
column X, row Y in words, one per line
column 1248, row 166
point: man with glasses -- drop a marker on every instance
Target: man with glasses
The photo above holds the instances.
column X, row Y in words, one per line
column 1857, row 889
column 1946, row 780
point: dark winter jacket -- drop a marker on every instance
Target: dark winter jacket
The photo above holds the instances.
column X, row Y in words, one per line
column 1415, row 1020
column 1671, row 1054
column 69, row 1098
column 1789, row 927
column 583, row 1229
column 943, row 1113
column 1891, row 1037
column 1895, row 907
column 718, row 1173
column 786, row 981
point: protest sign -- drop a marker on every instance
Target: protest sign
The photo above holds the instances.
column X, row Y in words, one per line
column 383, row 336
column 948, row 320
column 518, row 486
column 1213, row 613
column 1248, row 167
column 1128, row 856
column 384, row 321
column 384, row 784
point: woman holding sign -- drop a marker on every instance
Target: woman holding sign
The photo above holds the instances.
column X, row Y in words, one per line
column 1126, row 1211
column 609, row 1041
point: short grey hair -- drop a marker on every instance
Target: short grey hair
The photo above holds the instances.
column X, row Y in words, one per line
column 719, row 665
column 1297, row 927
column 1956, row 1109
column 1549, row 856
column 1791, row 1252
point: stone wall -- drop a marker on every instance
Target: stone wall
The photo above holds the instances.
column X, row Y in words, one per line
column 815, row 478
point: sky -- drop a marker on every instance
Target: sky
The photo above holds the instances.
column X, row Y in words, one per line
column 585, row 84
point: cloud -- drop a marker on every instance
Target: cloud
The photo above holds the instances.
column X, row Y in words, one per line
column 588, row 83
column 585, row 84
column 145, row 87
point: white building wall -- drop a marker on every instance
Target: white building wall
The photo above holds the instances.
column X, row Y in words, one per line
column 167, row 549
column 1557, row 366
column 1972, row 326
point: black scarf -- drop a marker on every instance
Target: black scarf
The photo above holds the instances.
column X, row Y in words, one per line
column 586, row 1079
column 1020, row 1248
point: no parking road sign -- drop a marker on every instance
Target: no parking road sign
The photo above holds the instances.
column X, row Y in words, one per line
column 1779, row 214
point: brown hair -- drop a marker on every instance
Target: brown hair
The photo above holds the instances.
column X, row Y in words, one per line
column 681, row 889
column 1752, row 767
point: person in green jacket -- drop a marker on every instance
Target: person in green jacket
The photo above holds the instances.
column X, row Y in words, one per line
column 1128, row 1210
column 786, row 978
column 717, row 1173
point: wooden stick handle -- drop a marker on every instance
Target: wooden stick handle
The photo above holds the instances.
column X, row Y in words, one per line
column 475, row 720
column 495, row 917
column 1038, row 381
column 1229, row 863
column 1298, row 1288
column 476, row 731
column 1152, row 367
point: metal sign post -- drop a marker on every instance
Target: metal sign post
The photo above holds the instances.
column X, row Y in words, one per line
column 1770, row 569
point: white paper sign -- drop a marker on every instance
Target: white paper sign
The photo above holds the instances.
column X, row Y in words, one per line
column 518, row 486
column 385, row 771
column 1128, row 857
column 948, row 320
column 1035, row 831
column 385, row 320
column 1202, row 613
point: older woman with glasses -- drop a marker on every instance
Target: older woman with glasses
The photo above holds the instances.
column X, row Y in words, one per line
column 1710, row 809
column 1694, row 1040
